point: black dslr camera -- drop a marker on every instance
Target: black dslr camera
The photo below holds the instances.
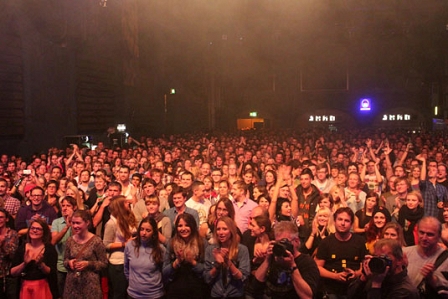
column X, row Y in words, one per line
column 281, row 246
column 378, row 264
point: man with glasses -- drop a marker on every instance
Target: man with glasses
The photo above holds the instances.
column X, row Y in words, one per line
column 37, row 209
column 322, row 182
column 216, row 178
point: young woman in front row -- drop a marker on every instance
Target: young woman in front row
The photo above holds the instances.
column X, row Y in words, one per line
column 227, row 263
column 35, row 261
column 84, row 257
column 143, row 260
column 184, row 262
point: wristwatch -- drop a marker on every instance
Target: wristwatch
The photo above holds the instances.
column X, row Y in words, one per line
column 216, row 265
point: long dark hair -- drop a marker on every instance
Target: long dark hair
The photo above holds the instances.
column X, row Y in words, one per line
column 229, row 206
column 364, row 209
column 278, row 209
column 157, row 254
column 373, row 232
column 194, row 242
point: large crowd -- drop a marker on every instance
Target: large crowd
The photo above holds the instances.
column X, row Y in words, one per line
column 250, row 214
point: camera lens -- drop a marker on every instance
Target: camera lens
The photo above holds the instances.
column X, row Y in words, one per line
column 378, row 264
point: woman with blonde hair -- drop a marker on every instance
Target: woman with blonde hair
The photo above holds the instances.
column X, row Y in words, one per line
column 322, row 227
column 409, row 215
column 227, row 263
column 120, row 229
column 62, row 186
column 74, row 192
column 338, row 195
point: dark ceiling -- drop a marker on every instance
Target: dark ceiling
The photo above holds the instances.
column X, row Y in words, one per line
column 227, row 57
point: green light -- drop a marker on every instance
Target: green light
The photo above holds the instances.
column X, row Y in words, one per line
column 172, row 91
column 253, row 114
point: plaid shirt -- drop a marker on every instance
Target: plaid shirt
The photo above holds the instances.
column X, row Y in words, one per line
column 11, row 205
column 432, row 194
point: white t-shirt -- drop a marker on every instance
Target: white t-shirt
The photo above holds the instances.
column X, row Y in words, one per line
column 416, row 262
column 202, row 207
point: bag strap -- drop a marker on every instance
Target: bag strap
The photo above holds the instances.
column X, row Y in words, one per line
column 84, row 247
column 440, row 259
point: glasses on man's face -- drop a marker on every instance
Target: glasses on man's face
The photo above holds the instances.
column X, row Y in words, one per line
column 37, row 195
column 37, row 229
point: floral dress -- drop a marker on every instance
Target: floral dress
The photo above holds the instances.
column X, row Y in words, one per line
column 85, row 284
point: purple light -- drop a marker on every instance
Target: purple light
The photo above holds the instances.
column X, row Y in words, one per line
column 365, row 105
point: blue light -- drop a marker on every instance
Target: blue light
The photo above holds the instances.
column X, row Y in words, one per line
column 365, row 104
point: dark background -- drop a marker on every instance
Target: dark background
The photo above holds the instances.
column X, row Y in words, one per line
column 76, row 67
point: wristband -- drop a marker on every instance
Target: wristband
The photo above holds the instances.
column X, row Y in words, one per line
column 294, row 268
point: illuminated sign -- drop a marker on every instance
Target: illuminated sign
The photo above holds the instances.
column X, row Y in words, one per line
column 253, row 114
column 121, row 127
column 396, row 117
column 365, row 105
column 322, row 118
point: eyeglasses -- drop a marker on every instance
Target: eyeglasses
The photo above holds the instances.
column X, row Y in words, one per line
column 37, row 195
column 35, row 228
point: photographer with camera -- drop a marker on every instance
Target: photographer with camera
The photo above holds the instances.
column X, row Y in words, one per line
column 285, row 272
column 384, row 275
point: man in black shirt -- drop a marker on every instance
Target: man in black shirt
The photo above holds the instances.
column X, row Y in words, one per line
column 339, row 256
